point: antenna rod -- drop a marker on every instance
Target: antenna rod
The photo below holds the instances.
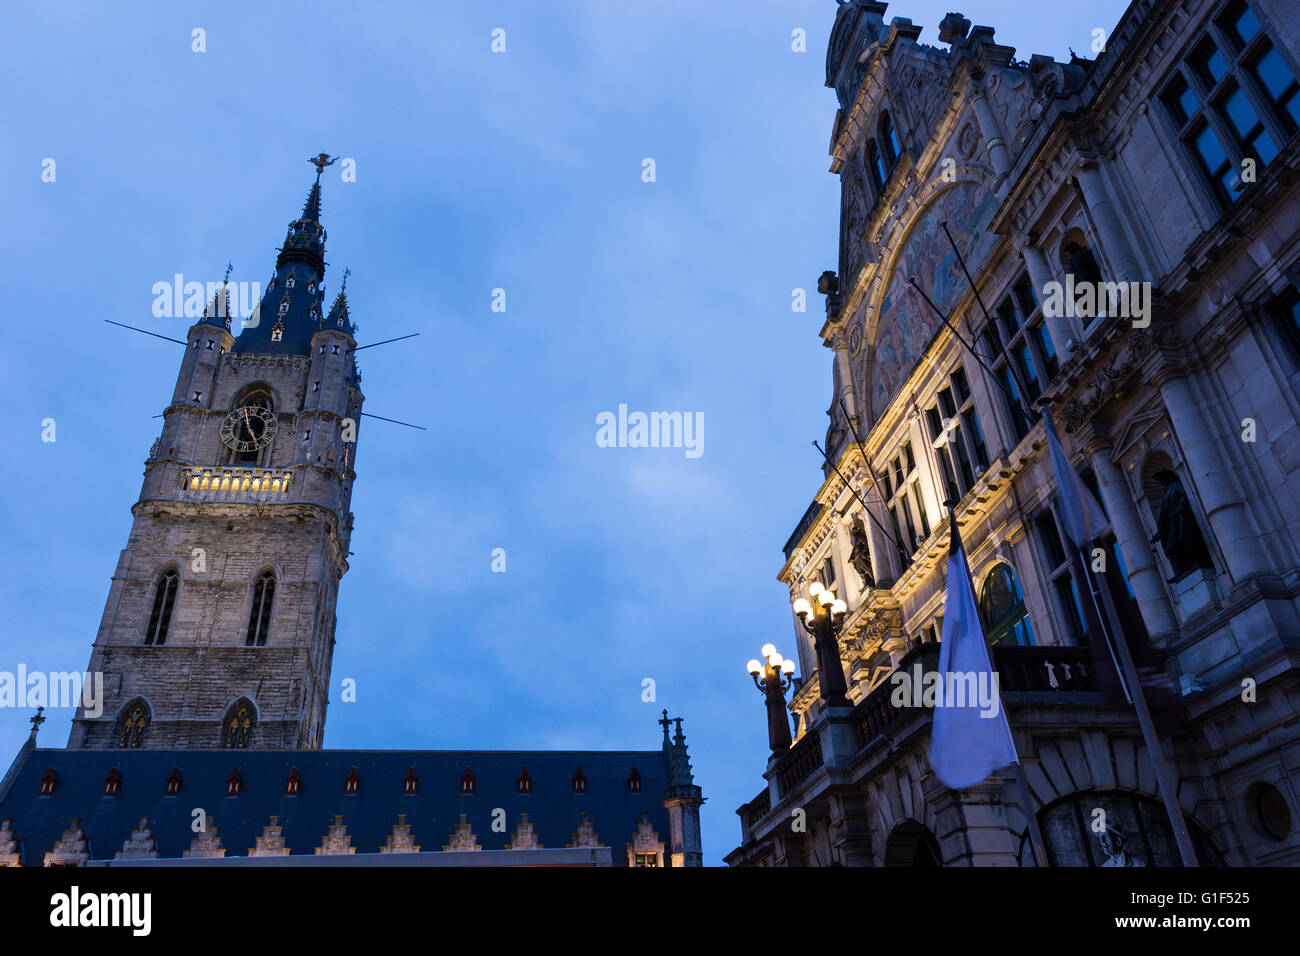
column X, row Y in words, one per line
column 874, row 520
column 146, row 332
column 384, row 342
column 394, row 421
column 1016, row 401
column 871, row 472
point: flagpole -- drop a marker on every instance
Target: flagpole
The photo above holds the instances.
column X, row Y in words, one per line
column 1166, row 783
column 1165, row 780
column 1026, row 800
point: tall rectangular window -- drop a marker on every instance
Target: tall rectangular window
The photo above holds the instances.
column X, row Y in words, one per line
column 1021, row 352
column 956, row 436
column 1233, row 98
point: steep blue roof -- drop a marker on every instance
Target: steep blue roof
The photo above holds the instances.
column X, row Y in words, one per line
column 292, row 307
column 432, row 812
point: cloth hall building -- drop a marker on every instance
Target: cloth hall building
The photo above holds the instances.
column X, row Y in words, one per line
column 1167, row 163
column 216, row 672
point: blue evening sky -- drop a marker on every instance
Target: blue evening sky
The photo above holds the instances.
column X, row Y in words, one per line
column 475, row 171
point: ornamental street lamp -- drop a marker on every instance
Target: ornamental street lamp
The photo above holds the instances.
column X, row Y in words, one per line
column 823, row 619
column 777, row 676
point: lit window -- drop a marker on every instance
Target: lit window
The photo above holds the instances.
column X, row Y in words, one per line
column 525, row 783
column 579, row 782
column 237, row 728
column 112, row 782
column 411, row 783
column 353, row 783
column 234, row 783
column 132, row 724
column 173, row 782
column 467, row 782
column 647, row 859
column 1002, row 607
column 634, row 782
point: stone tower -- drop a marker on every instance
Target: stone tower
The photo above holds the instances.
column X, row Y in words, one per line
column 219, row 625
column 682, row 798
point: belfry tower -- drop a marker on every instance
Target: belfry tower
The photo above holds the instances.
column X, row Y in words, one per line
column 219, row 625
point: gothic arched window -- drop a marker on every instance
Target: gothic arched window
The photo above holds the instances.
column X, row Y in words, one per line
column 259, row 613
column 411, row 783
column 234, row 783
column 132, row 723
column 1002, row 608
column 164, row 599
column 237, row 727
column 634, row 781
column 525, row 782
column 467, row 782
column 112, row 782
column 579, row 782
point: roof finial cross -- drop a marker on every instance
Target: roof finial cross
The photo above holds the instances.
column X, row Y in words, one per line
column 229, row 267
column 346, row 272
column 37, row 720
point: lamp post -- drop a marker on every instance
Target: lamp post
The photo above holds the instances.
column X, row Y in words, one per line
column 823, row 619
column 777, row 676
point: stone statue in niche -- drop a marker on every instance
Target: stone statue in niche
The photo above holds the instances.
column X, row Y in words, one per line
column 860, row 557
column 1176, row 529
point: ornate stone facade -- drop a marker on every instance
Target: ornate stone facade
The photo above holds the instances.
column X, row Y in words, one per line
column 1045, row 174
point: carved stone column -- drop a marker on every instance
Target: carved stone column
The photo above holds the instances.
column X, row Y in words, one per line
column 1143, row 570
column 995, row 145
column 1229, row 520
column 1110, row 231
column 1040, row 274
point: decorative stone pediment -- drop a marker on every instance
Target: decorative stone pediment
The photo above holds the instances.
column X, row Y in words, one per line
column 645, row 840
column 400, row 840
column 271, row 842
column 337, row 842
column 9, row 855
column 586, row 835
column 70, row 849
column 205, row 845
column 140, row 845
column 524, row 838
column 462, row 838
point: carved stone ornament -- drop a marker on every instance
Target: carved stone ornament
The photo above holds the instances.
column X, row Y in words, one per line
column 1109, row 380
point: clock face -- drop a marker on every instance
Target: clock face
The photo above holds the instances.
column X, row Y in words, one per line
column 249, row 428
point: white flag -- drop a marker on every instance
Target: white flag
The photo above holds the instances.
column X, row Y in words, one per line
column 1081, row 517
column 968, row 738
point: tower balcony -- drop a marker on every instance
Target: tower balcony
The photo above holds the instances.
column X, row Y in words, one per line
column 236, row 484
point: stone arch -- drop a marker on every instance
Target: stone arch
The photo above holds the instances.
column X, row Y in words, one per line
column 1152, row 494
column 911, row 844
column 238, row 724
column 897, row 797
column 899, row 325
column 1098, row 761
column 1113, row 828
column 254, row 390
column 260, row 603
column 132, row 723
